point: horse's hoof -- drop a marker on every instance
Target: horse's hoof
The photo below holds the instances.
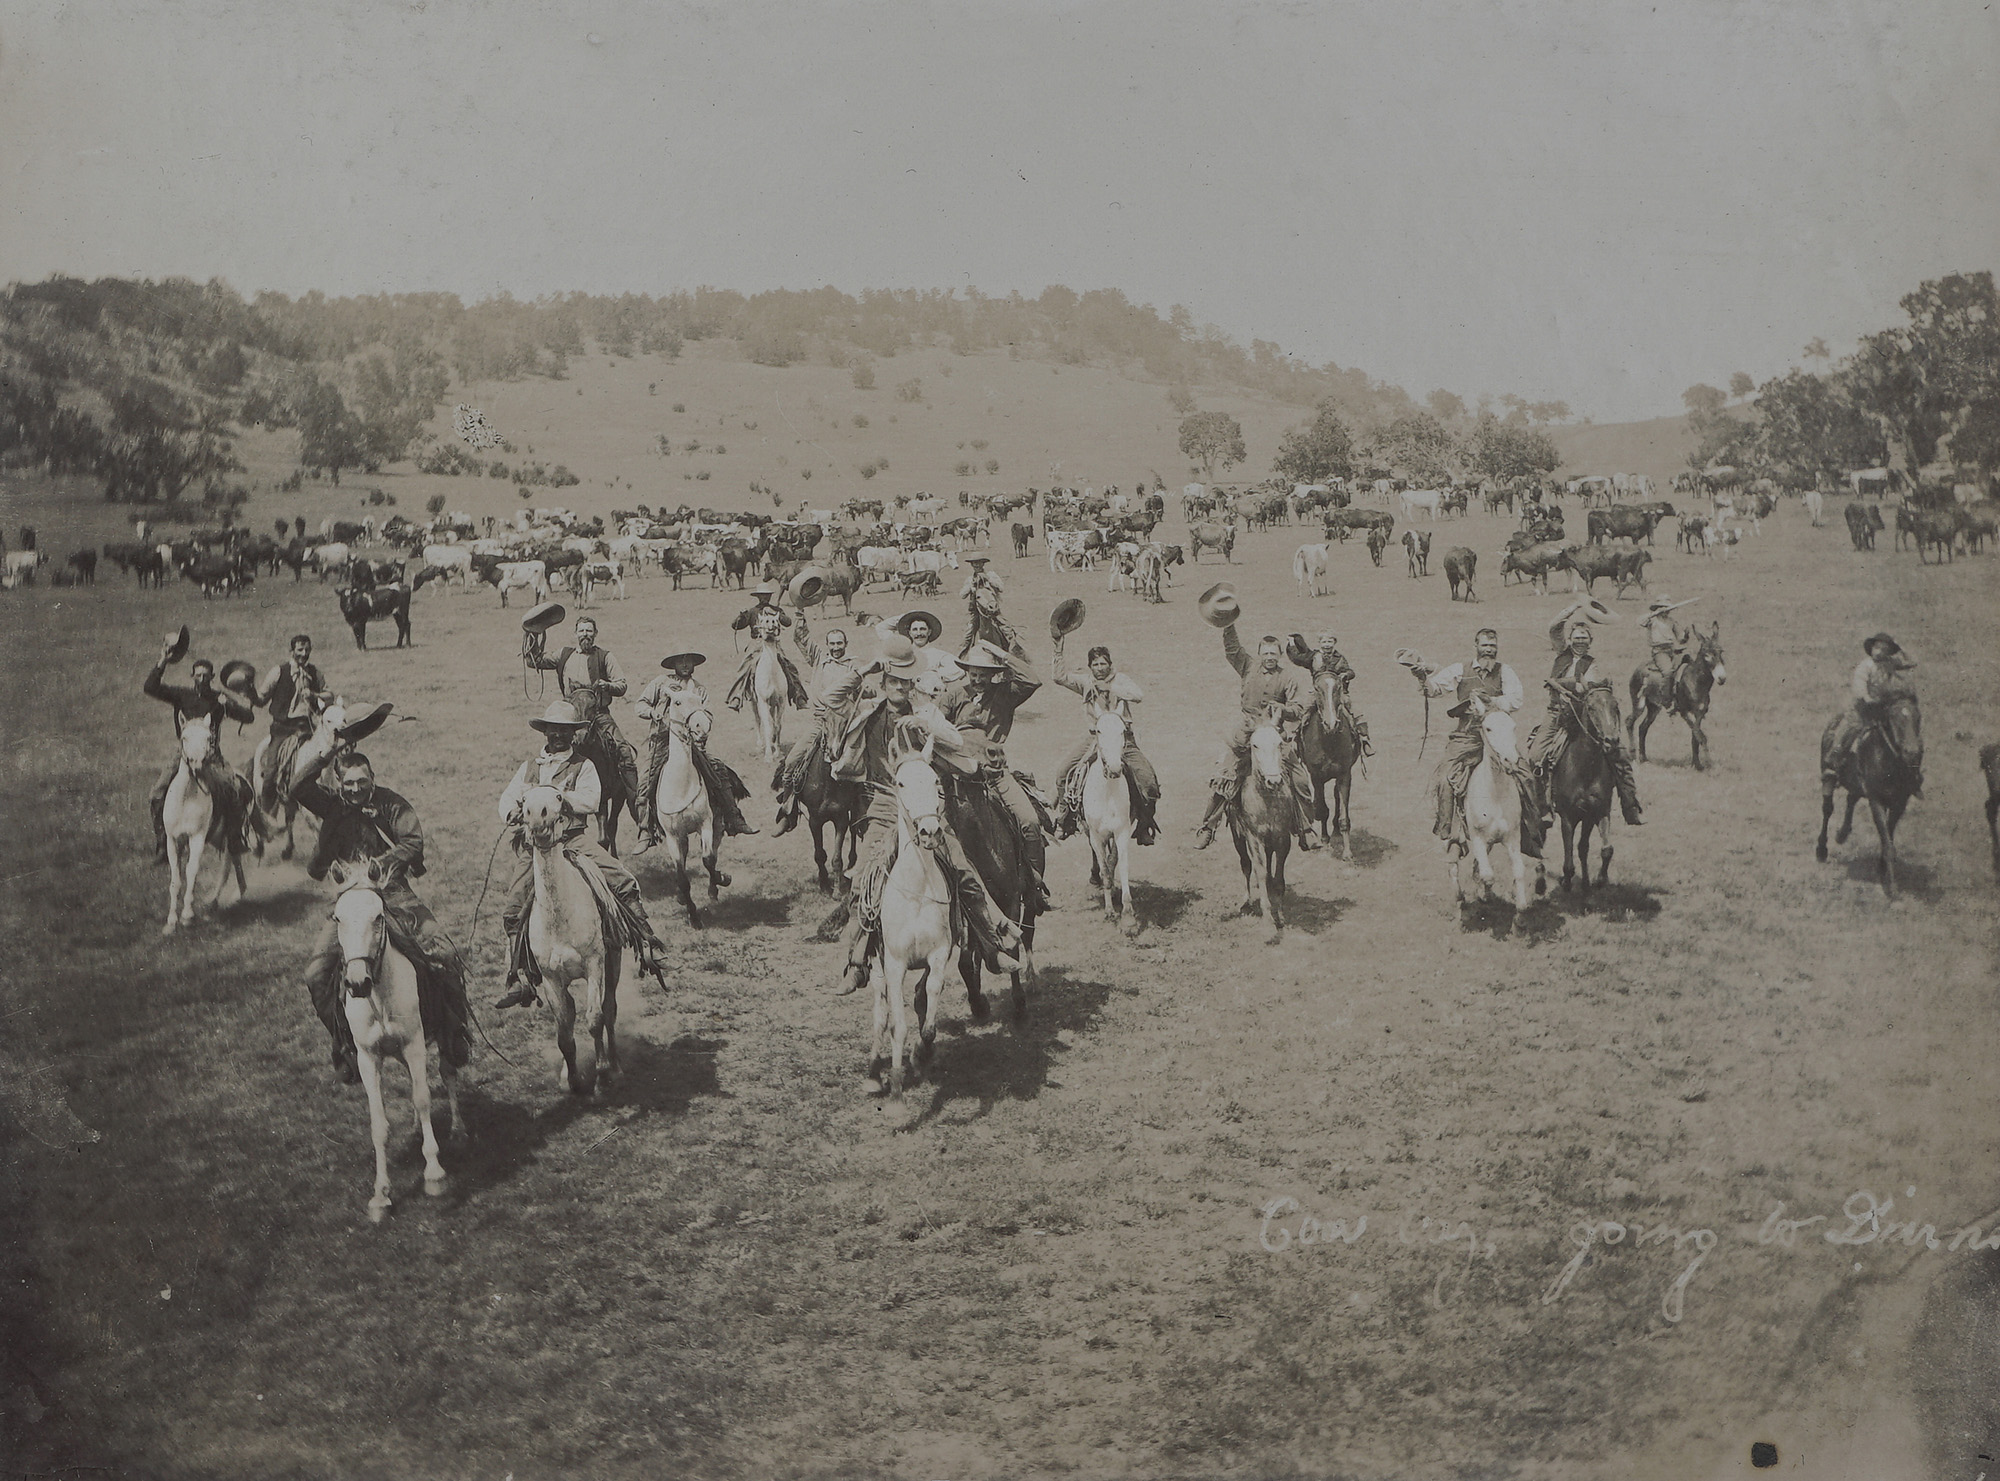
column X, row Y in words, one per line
column 378, row 1210
column 1566, row 883
column 434, row 1186
column 719, row 878
column 1274, row 936
column 1130, row 926
column 871, row 1085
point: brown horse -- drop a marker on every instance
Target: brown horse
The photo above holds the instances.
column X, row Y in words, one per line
column 1580, row 784
column 993, row 846
column 1330, row 749
column 828, row 802
column 1989, row 762
column 1689, row 695
column 1263, row 817
column 1886, row 767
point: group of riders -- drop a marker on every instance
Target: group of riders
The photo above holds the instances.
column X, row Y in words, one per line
column 866, row 717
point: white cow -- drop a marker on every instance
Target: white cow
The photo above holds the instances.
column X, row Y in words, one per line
column 20, row 568
column 1068, row 552
column 1309, row 564
column 453, row 560
column 529, row 576
column 1424, row 499
column 593, row 574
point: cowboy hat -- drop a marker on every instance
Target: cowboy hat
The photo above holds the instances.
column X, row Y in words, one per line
column 1066, row 618
column 1894, row 646
column 807, row 588
column 1658, row 602
column 763, row 591
column 540, row 619
column 899, row 656
column 977, row 560
column 1594, row 611
column 902, row 623
column 693, row 660
column 366, row 725
column 1218, row 605
column 560, row 715
column 177, row 646
column 240, row 676
column 983, row 655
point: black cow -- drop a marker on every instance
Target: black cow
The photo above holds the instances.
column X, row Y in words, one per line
column 1863, row 520
column 1625, row 524
column 84, row 563
column 732, row 563
column 1618, row 562
column 1022, row 534
column 1378, row 541
column 362, row 607
column 1417, row 546
column 1534, row 564
column 1459, row 564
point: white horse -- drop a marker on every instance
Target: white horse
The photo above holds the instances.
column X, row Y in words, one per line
column 566, row 933
column 681, row 809
column 1493, row 810
column 190, row 816
column 1425, row 499
column 384, row 1014
column 917, row 920
column 768, row 698
column 1107, row 818
column 1309, row 570
column 319, row 743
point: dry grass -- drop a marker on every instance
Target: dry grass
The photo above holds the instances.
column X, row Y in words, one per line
column 733, row 1269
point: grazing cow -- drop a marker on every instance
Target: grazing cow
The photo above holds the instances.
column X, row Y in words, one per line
column 1378, row 541
column 1428, row 500
column 1615, row 561
column 450, row 560
column 529, row 576
column 362, row 607
column 1418, row 548
column 1459, row 564
column 1934, row 528
column 1692, row 532
column 1979, row 526
column 1624, row 524
column 593, row 574
column 732, row 564
column 1534, row 564
column 84, row 563
column 1072, row 550
column 1309, row 570
column 1213, row 536
column 1022, row 534
column 214, row 574
column 20, row 567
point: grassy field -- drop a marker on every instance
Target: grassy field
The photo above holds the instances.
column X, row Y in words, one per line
column 1064, row 1267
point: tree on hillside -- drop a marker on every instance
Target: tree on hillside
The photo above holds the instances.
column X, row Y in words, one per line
column 1702, row 400
column 1211, row 437
column 1445, row 406
column 329, row 437
column 1922, row 380
column 1740, row 385
column 1318, row 452
column 1418, row 444
column 1181, row 399
column 1810, row 427
column 1511, row 449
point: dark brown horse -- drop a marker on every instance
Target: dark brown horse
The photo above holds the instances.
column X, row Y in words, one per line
column 1263, row 817
column 1989, row 762
column 1580, row 783
column 999, row 856
column 1330, row 749
column 826, row 801
column 1689, row 696
column 1885, row 766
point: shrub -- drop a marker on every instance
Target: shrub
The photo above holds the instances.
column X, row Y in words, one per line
column 805, row 473
column 867, row 470
column 962, row 469
column 992, row 465
column 720, row 449
column 692, row 447
column 911, row 390
column 701, row 477
column 883, row 464
column 496, row 469
column 376, row 496
column 979, row 444
column 679, row 407
column 666, row 445
column 860, row 420
column 864, row 376
column 562, row 477
column 434, row 505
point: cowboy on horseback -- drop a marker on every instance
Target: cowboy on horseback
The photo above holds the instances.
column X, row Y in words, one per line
column 1882, row 676
column 1573, row 672
column 935, row 667
column 655, row 705
column 1266, row 687
column 836, row 682
column 1671, row 641
column 757, row 612
column 1327, row 659
column 868, row 753
column 561, row 764
column 1103, row 687
column 590, row 679
column 984, row 704
column 1486, row 683
column 765, row 622
column 201, row 700
column 360, row 822
column 295, row 693
column 984, row 624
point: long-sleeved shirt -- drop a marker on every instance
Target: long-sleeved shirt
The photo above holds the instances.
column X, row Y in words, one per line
column 578, row 672
column 1873, row 683
column 1508, row 699
column 289, row 689
column 988, row 707
column 1119, row 692
column 659, row 696
column 189, row 703
column 1663, row 632
column 1262, row 688
column 385, row 827
column 835, row 682
column 545, row 768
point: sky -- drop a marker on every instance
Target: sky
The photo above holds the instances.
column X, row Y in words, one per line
column 1601, row 203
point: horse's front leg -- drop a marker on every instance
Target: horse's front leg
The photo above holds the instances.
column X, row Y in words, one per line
column 1249, row 867
column 819, row 853
column 1847, row 818
column 1885, row 828
column 1271, row 883
column 893, row 969
column 935, row 971
column 1826, row 818
column 1125, row 883
column 196, row 845
column 369, row 1062
column 417, row 1057
column 709, row 846
column 683, row 850
column 556, row 992
column 1697, row 741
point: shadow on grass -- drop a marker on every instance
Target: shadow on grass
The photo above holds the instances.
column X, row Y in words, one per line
column 1370, row 849
column 742, row 912
column 1616, row 902
column 287, row 908
column 1157, row 904
column 1013, row 1062
column 1543, row 921
column 1918, row 880
column 1309, row 914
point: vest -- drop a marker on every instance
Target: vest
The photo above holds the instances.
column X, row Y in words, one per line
column 593, row 702
column 284, row 692
column 1471, row 682
column 1561, row 669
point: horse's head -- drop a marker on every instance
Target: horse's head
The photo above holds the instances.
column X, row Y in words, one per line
column 1904, row 724
column 359, row 924
column 1597, row 708
column 1329, row 685
column 542, row 816
column 918, row 797
column 332, row 716
column 1109, row 731
column 691, row 719
column 1497, row 727
column 1267, row 762
column 196, row 737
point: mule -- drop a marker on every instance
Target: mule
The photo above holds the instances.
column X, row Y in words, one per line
column 682, row 811
column 1330, row 749
column 1492, row 810
column 579, row 960
column 1581, row 784
column 920, row 925
column 190, row 815
column 385, row 1015
column 1688, row 697
column 1263, row 817
column 1886, row 767
column 1108, row 820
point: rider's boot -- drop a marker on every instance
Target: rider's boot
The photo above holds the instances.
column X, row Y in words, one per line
column 159, row 833
column 1205, row 834
column 521, row 974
